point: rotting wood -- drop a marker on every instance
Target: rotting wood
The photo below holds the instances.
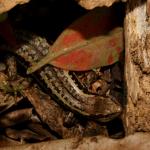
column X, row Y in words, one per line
column 137, row 67
column 138, row 141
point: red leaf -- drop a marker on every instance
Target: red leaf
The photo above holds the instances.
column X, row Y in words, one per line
column 86, row 44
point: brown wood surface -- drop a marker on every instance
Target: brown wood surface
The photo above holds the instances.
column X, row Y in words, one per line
column 138, row 141
column 137, row 67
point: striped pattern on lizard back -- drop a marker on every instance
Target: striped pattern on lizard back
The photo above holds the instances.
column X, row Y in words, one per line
column 62, row 85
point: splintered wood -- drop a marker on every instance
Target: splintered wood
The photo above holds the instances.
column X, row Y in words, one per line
column 137, row 67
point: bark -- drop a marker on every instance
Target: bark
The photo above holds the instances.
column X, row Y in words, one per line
column 6, row 5
column 138, row 141
column 137, row 67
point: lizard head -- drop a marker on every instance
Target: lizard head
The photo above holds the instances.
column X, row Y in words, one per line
column 106, row 109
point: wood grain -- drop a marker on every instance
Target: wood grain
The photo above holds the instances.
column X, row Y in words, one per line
column 137, row 67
